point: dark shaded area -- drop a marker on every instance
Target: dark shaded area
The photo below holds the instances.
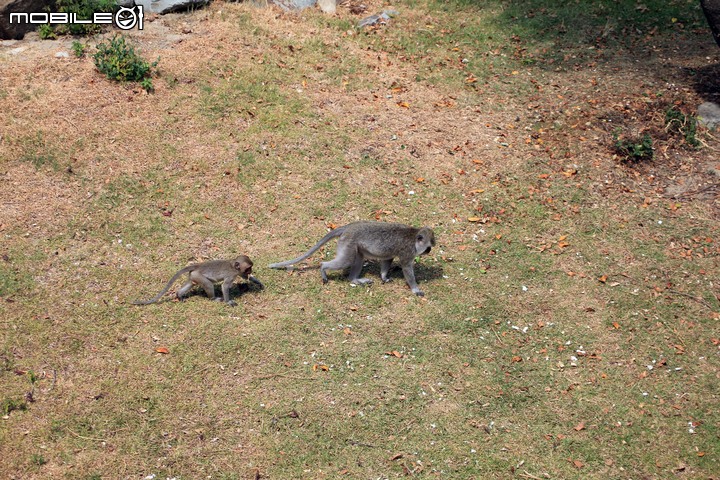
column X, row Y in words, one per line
column 16, row 31
column 565, row 35
column 711, row 8
column 706, row 81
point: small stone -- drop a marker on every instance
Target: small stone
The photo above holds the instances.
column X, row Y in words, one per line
column 709, row 114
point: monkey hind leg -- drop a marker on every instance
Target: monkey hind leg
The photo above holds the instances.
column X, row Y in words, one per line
column 342, row 261
column 355, row 269
column 205, row 283
column 183, row 291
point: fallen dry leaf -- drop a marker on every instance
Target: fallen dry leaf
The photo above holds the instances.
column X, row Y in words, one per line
column 162, row 350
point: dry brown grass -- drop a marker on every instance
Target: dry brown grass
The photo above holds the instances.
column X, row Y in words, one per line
column 264, row 129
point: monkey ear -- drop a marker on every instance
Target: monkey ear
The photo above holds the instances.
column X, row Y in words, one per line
column 420, row 237
column 236, row 265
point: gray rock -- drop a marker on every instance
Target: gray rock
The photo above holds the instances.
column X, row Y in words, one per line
column 294, row 4
column 17, row 31
column 328, row 6
column 709, row 114
column 168, row 6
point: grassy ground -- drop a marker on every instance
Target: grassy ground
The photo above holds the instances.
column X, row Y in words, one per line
column 570, row 324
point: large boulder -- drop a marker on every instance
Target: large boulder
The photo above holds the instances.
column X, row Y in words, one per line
column 167, row 6
column 16, row 31
column 294, row 4
column 712, row 13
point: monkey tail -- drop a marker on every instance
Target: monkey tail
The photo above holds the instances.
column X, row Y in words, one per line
column 332, row 234
column 167, row 287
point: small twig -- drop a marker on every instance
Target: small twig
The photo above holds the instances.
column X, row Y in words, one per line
column 281, row 375
column 498, row 336
column 697, row 299
column 359, row 444
column 696, row 192
column 525, row 474
column 71, row 123
column 85, row 438
column 203, row 369
column 52, row 385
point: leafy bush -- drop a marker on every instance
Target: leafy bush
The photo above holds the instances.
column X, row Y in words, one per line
column 78, row 49
column 118, row 61
column 685, row 125
column 46, row 32
column 635, row 149
column 84, row 10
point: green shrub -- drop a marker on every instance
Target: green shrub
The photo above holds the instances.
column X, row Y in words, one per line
column 78, row 49
column 118, row 61
column 46, row 32
column 685, row 125
column 84, row 10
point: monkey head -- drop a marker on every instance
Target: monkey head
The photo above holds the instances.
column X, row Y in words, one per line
column 424, row 241
column 243, row 265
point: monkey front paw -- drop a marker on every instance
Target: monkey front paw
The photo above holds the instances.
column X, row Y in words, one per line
column 419, row 293
column 361, row 281
column 387, row 280
column 232, row 303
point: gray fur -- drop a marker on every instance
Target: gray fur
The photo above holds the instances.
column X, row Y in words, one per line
column 206, row 274
column 373, row 241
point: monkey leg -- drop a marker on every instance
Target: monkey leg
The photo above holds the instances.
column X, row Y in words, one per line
column 355, row 270
column 205, row 283
column 180, row 294
column 226, row 292
column 409, row 274
column 343, row 260
column 385, row 270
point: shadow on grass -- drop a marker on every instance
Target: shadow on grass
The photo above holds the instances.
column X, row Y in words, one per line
column 566, row 35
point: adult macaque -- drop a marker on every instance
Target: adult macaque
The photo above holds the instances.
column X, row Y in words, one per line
column 374, row 241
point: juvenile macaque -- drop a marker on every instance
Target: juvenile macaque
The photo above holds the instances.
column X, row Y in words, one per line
column 374, row 241
column 207, row 274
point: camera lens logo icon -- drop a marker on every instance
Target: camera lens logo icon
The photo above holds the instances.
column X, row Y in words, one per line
column 127, row 18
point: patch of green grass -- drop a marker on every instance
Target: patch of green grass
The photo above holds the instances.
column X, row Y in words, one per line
column 9, row 405
column 12, row 282
column 38, row 151
column 255, row 98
